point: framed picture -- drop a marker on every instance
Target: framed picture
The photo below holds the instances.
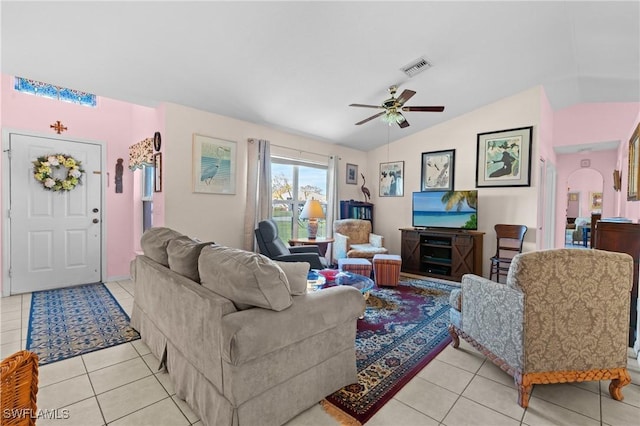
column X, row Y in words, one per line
column 214, row 165
column 157, row 165
column 633, row 184
column 596, row 202
column 392, row 179
column 352, row 174
column 504, row 158
column 437, row 170
column 617, row 180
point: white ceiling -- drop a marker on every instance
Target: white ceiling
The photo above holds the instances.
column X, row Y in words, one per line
column 296, row 66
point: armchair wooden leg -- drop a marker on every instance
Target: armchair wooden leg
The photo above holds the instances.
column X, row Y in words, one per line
column 523, row 395
column 454, row 335
column 616, row 385
column 524, row 389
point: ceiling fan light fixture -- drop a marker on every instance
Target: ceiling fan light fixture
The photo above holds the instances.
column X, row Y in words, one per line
column 392, row 117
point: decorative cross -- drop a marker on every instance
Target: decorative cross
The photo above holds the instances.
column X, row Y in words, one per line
column 58, row 126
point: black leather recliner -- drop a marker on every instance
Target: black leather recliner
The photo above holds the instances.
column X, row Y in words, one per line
column 274, row 248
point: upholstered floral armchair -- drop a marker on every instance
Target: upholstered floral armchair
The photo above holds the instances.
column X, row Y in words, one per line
column 562, row 316
column 353, row 238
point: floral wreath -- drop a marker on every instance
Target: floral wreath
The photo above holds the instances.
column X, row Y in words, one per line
column 43, row 171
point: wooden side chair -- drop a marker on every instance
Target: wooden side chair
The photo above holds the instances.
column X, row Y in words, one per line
column 19, row 388
column 509, row 243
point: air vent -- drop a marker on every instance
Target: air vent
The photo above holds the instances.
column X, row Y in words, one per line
column 416, row 67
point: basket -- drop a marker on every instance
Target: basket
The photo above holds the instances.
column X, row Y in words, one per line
column 19, row 389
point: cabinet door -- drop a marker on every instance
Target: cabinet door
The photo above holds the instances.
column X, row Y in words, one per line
column 410, row 251
column 461, row 256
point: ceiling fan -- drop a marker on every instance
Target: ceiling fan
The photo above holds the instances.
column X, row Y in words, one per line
column 393, row 106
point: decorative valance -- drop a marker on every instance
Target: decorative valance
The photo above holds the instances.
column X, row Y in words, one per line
column 141, row 154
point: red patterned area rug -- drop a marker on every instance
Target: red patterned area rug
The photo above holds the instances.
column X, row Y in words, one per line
column 403, row 329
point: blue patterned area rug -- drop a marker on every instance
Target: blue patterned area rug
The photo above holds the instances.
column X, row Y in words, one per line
column 403, row 329
column 72, row 321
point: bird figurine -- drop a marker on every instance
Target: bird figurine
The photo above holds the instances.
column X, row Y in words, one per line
column 365, row 190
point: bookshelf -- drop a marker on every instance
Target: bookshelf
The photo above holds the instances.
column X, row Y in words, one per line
column 351, row 209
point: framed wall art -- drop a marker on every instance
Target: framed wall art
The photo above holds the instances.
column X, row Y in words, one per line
column 437, row 170
column 392, row 179
column 633, row 184
column 352, row 174
column 504, row 158
column 214, row 165
column 595, row 201
column 157, row 164
column 617, row 180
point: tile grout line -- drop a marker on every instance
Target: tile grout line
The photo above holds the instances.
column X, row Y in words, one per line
column 600, row 399
column 414, row 409
column 460, row 394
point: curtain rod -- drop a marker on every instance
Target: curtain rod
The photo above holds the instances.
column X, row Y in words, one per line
column 301, row 150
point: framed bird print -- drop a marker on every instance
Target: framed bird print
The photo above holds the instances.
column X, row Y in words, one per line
column 392, row 179
column 214, row 165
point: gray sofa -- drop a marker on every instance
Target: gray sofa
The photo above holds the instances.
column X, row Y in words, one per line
column 242, row 340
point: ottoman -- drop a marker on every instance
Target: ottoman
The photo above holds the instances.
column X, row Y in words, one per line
column 386, row 269
column 355, row 265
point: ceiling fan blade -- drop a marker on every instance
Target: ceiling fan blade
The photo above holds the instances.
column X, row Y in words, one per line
column 424, row 108
column 405, row 96
column 370, row 118
column 404, row 123
column 365, row 106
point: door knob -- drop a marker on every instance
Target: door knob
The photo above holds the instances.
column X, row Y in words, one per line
column 95, row 221
column 95, row 210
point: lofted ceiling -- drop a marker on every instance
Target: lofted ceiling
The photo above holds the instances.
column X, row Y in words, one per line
column 296, row 66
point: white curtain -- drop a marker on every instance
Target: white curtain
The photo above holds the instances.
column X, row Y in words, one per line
column 258, row 189
column 333, row 200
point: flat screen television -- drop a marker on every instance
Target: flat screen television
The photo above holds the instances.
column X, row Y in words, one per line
column 445, row 209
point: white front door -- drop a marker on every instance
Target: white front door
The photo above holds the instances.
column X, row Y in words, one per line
column 55, row 237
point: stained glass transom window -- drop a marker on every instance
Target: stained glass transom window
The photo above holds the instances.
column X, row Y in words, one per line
column 46, row 90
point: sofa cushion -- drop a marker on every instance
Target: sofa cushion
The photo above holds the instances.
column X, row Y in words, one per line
column 296, row 273
column 183, row 253
column 247, row 279
column 154, row 243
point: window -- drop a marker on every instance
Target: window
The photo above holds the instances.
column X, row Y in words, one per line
column 293, row 183
column 50, row 91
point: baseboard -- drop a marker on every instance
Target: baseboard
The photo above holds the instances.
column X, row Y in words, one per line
column 117, row 278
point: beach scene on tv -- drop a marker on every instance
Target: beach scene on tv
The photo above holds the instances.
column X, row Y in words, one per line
column 446, row 209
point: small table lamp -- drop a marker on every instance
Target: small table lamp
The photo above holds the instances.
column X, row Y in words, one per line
column 312, row 211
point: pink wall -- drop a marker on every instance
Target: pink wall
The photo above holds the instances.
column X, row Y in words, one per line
column 118, row 124
column 593, row 123
column 629, row 209
column 586, row 181
column 587, row 124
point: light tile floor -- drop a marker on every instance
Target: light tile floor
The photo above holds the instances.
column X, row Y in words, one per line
column 121, row 386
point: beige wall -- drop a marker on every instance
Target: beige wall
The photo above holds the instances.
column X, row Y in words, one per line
column 220, row 218
column 495, row 205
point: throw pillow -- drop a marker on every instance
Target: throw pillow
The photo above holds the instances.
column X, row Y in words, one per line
column 296, row 273
column 154, row 243
column 245, row 278
column 183, row 255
